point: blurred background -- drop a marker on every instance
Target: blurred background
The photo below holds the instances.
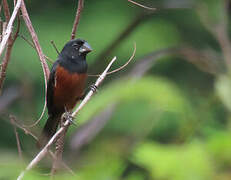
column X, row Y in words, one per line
column 166, row 116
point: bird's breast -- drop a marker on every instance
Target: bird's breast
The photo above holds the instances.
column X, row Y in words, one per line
column 68, row 87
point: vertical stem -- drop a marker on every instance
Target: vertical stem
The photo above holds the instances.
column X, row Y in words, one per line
column 77, row 18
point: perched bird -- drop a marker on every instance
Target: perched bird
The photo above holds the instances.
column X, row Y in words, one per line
column 65, row 85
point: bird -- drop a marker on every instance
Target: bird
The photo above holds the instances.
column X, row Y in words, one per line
column 65, row 85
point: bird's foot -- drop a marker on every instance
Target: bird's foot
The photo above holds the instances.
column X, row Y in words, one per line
column 67, row 117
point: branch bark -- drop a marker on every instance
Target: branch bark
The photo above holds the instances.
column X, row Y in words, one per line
column 77, row 18
column 10, row 26
column 7, row 38
column 34, row 36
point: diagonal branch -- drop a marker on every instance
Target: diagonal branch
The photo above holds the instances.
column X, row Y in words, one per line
column 26, row 131
column 9, row 27
column 38, row 48
column 6, row 10
column 77, row 18
column 67, row 123
column 34, row 36
column 141, row 5
column 10, row 43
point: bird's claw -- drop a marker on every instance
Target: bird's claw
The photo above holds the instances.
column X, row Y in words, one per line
column 68, row 117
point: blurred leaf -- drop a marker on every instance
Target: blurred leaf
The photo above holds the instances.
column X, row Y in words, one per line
column 212, row 12
column 223, row 89
column 158, row 92
column 174, row 162
column 219, row 145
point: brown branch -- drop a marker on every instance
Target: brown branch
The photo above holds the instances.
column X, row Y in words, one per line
column 58, row 152
column 5, row 63
column 100, row 59
column 8, row 31
column 17, row 124
column 17, row 138
column 141, row 5
column 1, row 6
column 26, row 131
column 56, row 49
column 67, row 123
column 77, row 18
column 18, row 28
column 10, row 41
column 32, row 45
column 34, row 36
column 6, row 10
column 38, row 48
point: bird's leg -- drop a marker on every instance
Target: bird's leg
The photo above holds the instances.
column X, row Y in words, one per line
column 67, row 117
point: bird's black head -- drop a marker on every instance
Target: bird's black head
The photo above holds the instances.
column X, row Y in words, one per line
column 76, row 49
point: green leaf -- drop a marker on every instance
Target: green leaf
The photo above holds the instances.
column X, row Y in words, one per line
column 174, row 162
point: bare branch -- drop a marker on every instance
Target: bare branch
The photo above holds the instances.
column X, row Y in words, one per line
column 26, row 131
column 56, row 49
column 67, row 123
column 18, row 28
column 6, row 10
column 100, row 59
column 9, row 27
column 38, row 48
column 34, row 36
column 11, row 41
column 58, row 152
column 145, row 7
column 5, row 64
column 77, row 18
column 121, row 67
column 17, row 138
column 32, row 45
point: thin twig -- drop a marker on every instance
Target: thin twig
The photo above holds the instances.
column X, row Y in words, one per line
column 9, row 27
column 26, row 131
column 141, row 5
column 121, row 67
column 58, row 152
column 32, row 45
column 44, row 106
column 18, row 28
column 77, row 18
column 6, row 10
column 56, row 49
column 34, row 36
column 17, row 138
column 67, row 123
column 1, row 6
column 100, row 59
column 6, row 58
column 38, row 48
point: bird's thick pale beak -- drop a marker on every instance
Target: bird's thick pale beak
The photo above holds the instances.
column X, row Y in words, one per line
column 85, row 48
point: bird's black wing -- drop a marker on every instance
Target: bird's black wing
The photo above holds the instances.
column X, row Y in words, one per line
column 50, row 89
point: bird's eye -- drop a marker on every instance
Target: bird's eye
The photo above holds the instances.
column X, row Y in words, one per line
column 75, row 45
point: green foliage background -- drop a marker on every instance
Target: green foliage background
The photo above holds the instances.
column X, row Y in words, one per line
column 171, row 124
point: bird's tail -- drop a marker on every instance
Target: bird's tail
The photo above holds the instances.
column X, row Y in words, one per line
column 48, row 130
